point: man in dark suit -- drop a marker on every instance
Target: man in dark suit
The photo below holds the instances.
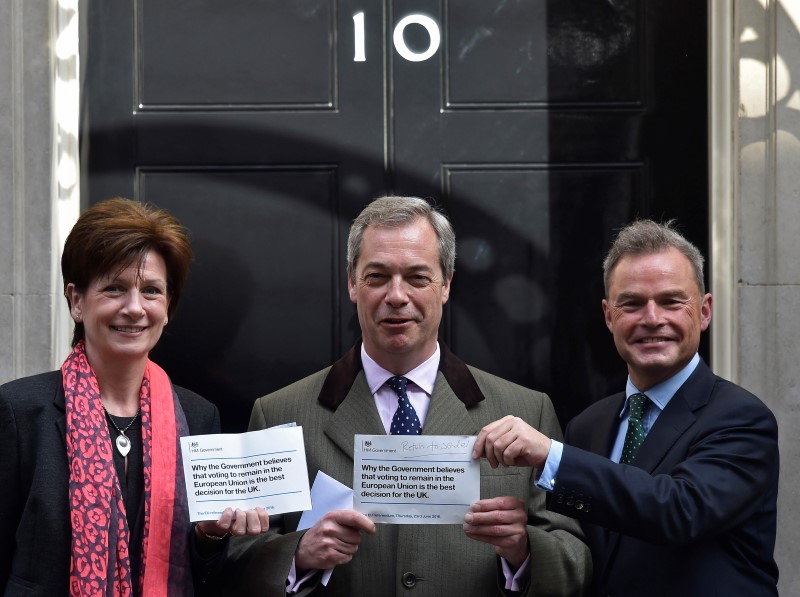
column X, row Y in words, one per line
column 674, row 481
column 401, row 255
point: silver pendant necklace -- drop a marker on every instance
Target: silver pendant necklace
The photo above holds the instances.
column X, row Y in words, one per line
column 123, row 443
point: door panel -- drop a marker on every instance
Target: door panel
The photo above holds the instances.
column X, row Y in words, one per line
column 233, row 307
column 540, row 126
column 265, row 54
column 516, row 296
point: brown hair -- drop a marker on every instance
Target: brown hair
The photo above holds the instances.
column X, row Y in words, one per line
column 116, row 233
column 645, row 237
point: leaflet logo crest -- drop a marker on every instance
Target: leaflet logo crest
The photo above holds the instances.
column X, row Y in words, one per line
column 367, row 443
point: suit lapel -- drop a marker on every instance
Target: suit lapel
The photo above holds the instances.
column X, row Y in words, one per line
column 447, row 414
column 346, row 394
column 607, row 424
column 602, row 442
column 677, row 417
column 671, row 424
column 356, row 414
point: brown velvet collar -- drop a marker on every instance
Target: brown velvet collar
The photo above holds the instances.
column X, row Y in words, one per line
column 343, row 373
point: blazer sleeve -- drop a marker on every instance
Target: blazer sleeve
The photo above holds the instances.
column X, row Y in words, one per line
column 201, row 415
column 257, row 566
column 560, row 560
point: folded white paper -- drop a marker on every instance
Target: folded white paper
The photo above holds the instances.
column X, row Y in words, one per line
column 326, row 494
column 425, row 479
column 243, row 470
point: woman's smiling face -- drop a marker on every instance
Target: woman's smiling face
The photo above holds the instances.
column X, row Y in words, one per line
column 123, row 312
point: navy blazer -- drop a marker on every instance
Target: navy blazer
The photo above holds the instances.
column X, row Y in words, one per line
column 695, row 513
column 34, row 471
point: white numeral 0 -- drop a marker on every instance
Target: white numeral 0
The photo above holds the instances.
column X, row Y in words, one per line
column 397, row 38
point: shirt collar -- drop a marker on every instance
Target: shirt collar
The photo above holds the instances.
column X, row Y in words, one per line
column 660, row 394
column 423, row 375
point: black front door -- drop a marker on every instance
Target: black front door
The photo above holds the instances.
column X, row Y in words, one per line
column 266, row 125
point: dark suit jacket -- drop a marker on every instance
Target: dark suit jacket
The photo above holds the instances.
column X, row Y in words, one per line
column 335, row 404
column 695, row 514
column 34, row 472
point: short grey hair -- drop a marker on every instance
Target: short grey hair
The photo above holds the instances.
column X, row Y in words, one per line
column 396, row 211
column 645, row 237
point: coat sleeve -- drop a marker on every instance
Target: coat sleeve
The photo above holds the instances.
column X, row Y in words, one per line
column 560, row 560
column 257, row 566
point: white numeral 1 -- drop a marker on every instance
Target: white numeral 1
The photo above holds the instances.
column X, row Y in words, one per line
column 358, row 22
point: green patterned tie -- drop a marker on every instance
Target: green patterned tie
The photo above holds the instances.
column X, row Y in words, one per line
column 635, row 435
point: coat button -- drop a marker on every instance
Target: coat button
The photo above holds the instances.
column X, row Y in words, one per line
column 579, row 505
column 409, row 580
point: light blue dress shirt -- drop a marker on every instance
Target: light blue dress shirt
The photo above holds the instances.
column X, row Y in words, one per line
column 659, row 395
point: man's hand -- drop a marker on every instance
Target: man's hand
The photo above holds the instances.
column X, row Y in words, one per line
column 510, row 441
column 500, row 522
column 240, row 522
column 333, row 540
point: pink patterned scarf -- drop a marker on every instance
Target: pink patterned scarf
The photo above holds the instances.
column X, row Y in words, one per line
column 100, row 565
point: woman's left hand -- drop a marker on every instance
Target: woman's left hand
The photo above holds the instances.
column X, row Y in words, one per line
column 238, row 522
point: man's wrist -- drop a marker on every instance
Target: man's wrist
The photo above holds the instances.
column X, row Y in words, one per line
column 548, row 473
